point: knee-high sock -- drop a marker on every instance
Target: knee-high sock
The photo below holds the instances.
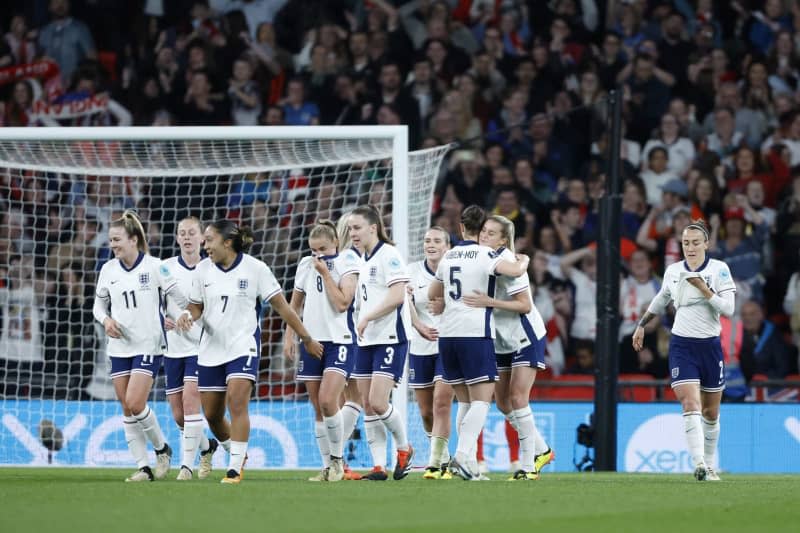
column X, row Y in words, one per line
column 376, row 439
column 192, row 435
column 137, row 442
column 461, row 412
column 333, row 426
column 321, row 433
column 527, row 444
column 439, row 453
column 397, row 426
column 471, row 426
column 238, row 455
column 711, row 437
column 151, row 427
column 350, row 413
column 694, row 436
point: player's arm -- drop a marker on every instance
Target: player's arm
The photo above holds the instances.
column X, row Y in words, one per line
column 427, row 332
column 194, row 308
column 341, row 295
column 436, row 297
column 102, row 306
column 394, row 298
column 288, row 314
column 289, row 337
column 515, row 269
column 519, row 303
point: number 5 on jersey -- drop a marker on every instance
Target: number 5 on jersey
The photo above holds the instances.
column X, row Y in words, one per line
column 455, row 283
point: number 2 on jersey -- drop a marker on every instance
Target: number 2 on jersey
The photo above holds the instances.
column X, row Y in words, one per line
column 455, row 282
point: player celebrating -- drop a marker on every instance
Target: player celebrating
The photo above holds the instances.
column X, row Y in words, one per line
column 519, row 345
column 383, row 320
column 425, row 366
column 324, row 287
column 701, row 290
column 128, row 304
column 227, row 292
column 180, row 362
column 466, row 333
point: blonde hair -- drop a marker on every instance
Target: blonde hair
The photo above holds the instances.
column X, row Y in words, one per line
column 343, row 232
column 443, row 231
column 325, row 228
column 130, row 222
column 506, row 229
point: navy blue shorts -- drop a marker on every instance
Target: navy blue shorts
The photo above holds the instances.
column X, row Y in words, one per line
column 504, row 361
column 424, row 370
column 138, row 364
column 697, row 361
column 179, row 370
column 387, row 360
column 531, row 355
column 339, row 358
column 215, row 378
column 467, row 360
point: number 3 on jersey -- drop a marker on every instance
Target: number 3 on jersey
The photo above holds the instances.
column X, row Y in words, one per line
column 389, row 356
column 455, row 283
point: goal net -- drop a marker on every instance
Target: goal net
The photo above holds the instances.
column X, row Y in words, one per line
column 60, row 188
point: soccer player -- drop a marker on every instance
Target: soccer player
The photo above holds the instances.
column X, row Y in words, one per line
column 519, row 345
column 383, row 320
column 128, row 305
column 227, row 293
column 466, row 333
column 324, row 286
column 425, row 366
column 701, row 290
column 180, row 361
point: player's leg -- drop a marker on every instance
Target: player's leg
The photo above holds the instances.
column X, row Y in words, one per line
column 194, row 434
column 421, row 370
column 134, row 434
column 139, row 386
column 330, row 391
column 213, row 402
column 709, row 402
column 238, row 400
column 309, row 372
column 502, row 396
column 440, row 432
column 388, row 365
column 522, row 378
column 685, row 382
column 351, row 411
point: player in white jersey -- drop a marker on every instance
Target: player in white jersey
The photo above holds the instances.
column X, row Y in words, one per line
column 128, row 304
column 434, row 397
column 519, row 347
column 466, row 333
column 383, row 320
column 701, row 290
column 180, row 360
column 228, row 290
column 324, row 286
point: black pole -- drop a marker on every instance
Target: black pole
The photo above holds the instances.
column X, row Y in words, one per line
column 608, row 263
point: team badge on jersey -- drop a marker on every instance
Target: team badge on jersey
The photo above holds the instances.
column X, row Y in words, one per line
column 394, row 263
column 165, row 271
column 373, row 272
column 242, row 284
column 675, row 372
column 144, row 279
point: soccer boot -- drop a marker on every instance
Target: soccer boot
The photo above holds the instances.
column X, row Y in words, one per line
column 521, row 475
column 378, row 473
column 335, row 472
column 185, row 474
column 232, row 477
column 701, row 472
column 432, row 472
column 319, row 477
column 711, row 475
column 457, row 469
column 143, row 474
column 163, row 459
column 403, row 466
column 205, row 459
column 350, row 475
column 544, row 459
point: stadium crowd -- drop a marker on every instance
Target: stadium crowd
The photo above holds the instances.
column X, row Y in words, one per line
column 711, row 93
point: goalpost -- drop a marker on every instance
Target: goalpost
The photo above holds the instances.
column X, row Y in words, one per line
column 59, row 189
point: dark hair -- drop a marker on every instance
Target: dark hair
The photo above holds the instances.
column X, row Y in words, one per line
column 698, row 225
column 133, row 227
column 241, row 237
column 373, row 216
column 473, row 218
column 325, row 228
column 657, row 149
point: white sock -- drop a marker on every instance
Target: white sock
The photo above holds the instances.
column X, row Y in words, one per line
column 512, row 419
column 711, row 437
column 204, row 444
column 540, row 446
column 397, row 426
column 376, row 439
column 525, row 429
column 238, row 453
column 192, row 433
column 183, row 444
column 137, row 442
column 463, row 407
column 321, row 433
column 471, row 427
column 152, row 429
column 350, row 413
column 333, row 426
column 694, row 436
column 438, row 448
column 226, row 445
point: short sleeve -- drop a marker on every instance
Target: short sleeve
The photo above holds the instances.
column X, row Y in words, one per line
column 396, row 270
column 440, row 272
column 724, row 281
column 494, row 258
column 518, row 284
column 351, row 263
column 267, row 284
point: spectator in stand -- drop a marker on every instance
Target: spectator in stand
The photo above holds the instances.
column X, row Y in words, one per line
column 508, row 205
column 467, row 126
column 766, row 25
column 680, row 150
column 391, row 91
column 751, row 123
column 582, row 351
column 273, row 116
column 199, row 107
column 21, row 41
column 584, row 280
column 79, row 252
column 783, row 64
column 657, row 174
column 298, row 111
column 634, row 208
column 649, row 97
column 66, row 40
column 763, row 348
column 705, row 198
column 470, row 181
column 18, row 111
column 244, row 95
column 424, row 90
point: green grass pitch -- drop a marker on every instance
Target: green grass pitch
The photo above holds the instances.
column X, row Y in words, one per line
column 57, row 500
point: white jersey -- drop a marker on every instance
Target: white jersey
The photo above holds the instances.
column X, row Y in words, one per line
column 182, row 343
column 467, row 268
column 320, row 317
column 421, row 278
column 584, row 324
column 380, row 271
column 232, row 299
column 694, row 315
column 132, row 297
column 515, row 331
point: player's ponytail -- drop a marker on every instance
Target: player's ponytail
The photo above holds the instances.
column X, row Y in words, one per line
column 343, row 232
column 472, row 218
column 506, row 229
column 324, row 229
column 130, row 222
column 373, row 216
column 241, row 237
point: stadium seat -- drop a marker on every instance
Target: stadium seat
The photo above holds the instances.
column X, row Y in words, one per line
column 636, row 393
column 568, row 387
column 758, row 392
